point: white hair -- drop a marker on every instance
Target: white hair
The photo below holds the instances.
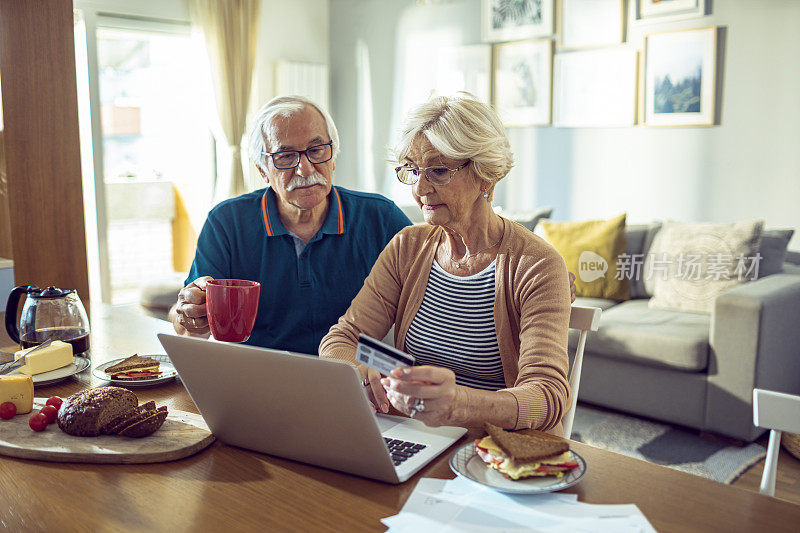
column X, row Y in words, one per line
column 460, row 127
column 263, row 130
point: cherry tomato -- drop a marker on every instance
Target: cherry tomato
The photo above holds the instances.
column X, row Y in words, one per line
column 38, row 422
column 50, row 412
column 55, row 401
column 7, row 410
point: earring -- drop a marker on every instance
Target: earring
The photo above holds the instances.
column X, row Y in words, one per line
column 486, row 194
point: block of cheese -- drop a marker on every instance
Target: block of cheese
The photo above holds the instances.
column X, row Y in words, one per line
column 56, row 355
column 18, row 390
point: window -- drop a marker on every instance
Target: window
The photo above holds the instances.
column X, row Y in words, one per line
column 155, row 103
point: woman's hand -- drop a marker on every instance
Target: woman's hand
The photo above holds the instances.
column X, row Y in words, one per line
column 190, row 311
column 427, row 393
column 371, row 379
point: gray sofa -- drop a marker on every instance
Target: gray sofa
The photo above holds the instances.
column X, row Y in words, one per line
column 698, row 370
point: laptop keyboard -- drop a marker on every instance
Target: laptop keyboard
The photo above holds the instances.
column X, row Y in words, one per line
column 400, row 450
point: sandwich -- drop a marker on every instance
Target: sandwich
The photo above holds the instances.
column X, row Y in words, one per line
column 135, row 367
column 524, row 453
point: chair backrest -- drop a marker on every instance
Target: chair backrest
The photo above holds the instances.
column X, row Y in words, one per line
column 585, row 319
column 778, row 412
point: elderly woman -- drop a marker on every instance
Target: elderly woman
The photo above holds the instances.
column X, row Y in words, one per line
column 480, row 302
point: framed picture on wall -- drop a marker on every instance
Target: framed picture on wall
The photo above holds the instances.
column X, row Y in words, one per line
column 523, row 74
column 660, row 10
column 511, row 20
column 588, row 23
column 465, row 68
column 595, row 88
column 680, row 77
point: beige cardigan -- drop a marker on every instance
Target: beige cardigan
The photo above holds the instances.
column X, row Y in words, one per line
column 531, row 314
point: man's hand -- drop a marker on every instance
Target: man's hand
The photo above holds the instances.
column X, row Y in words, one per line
column 571, row 287
column 371, row 379
column 188, row 315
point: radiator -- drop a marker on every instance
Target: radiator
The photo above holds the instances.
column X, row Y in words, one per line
column 304, row 79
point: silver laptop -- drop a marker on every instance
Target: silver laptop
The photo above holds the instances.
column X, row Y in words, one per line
column 302, row 408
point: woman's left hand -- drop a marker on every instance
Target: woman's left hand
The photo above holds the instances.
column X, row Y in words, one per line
column 427, row 393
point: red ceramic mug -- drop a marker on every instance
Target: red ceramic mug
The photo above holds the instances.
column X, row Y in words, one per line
column 231, row 307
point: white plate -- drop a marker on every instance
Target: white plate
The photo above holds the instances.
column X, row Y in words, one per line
column 466, row 463
column 78, row 365
column 168, row 373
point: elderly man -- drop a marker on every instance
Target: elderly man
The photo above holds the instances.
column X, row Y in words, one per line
column 308, row 243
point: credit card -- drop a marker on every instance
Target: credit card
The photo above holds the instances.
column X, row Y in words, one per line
column 379, row 356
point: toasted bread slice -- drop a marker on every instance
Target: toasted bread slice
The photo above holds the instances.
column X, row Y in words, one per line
column 147, row 426
column 530, row 445
column 132, row 364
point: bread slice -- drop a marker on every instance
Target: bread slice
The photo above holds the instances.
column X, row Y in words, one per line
column 147, row 426
column 526, row 445
column 125, row 421
column 149, row 406
column 134, row 363
column 118, row 422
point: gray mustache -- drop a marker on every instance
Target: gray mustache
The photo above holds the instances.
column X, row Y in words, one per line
column 306, row 181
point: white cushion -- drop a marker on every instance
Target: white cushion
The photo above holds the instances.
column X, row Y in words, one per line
column 689, row 264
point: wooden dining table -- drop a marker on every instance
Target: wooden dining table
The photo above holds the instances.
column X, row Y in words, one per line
column 225, row 488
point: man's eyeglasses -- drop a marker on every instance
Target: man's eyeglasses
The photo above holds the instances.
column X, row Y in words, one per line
column 440, row 175
column 286, row 159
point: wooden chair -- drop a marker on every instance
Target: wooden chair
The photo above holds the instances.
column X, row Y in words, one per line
column 585, row 319
column 777, row 412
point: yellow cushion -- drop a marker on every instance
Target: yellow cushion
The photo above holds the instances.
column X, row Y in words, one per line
column 184, row 237
column 591, row 250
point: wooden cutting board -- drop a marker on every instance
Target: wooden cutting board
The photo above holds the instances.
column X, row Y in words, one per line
column 182, row 434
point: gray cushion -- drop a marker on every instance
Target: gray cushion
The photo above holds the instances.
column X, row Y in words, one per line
column 161, row 294
column 791, row 268
column 773, row 250
column 633, row 332
column 634, row 238
column 529, row 219
column 639, row 289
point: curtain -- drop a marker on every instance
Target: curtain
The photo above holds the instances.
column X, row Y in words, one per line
column 230, row 29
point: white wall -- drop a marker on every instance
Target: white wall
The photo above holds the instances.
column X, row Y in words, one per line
column 295, row 30
column 746, row 167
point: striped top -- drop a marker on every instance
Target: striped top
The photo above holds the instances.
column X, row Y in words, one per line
column 454, row 328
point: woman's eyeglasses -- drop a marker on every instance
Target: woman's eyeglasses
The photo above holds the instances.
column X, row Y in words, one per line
column 440, row 175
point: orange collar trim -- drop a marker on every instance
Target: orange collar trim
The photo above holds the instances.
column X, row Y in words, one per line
column 268, row 226
column 265, row 214
column 341, row 213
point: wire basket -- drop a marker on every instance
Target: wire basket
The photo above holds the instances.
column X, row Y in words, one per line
column 792, row 443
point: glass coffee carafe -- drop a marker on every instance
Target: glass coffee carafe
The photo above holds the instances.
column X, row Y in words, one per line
column 49, row 314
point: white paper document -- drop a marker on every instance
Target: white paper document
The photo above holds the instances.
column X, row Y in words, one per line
column 460, row 505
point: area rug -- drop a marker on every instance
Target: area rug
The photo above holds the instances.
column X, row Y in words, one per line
column 664, row 444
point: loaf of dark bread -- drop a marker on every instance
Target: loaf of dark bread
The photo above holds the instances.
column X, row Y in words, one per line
column 145, row 427
column 88, row 412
